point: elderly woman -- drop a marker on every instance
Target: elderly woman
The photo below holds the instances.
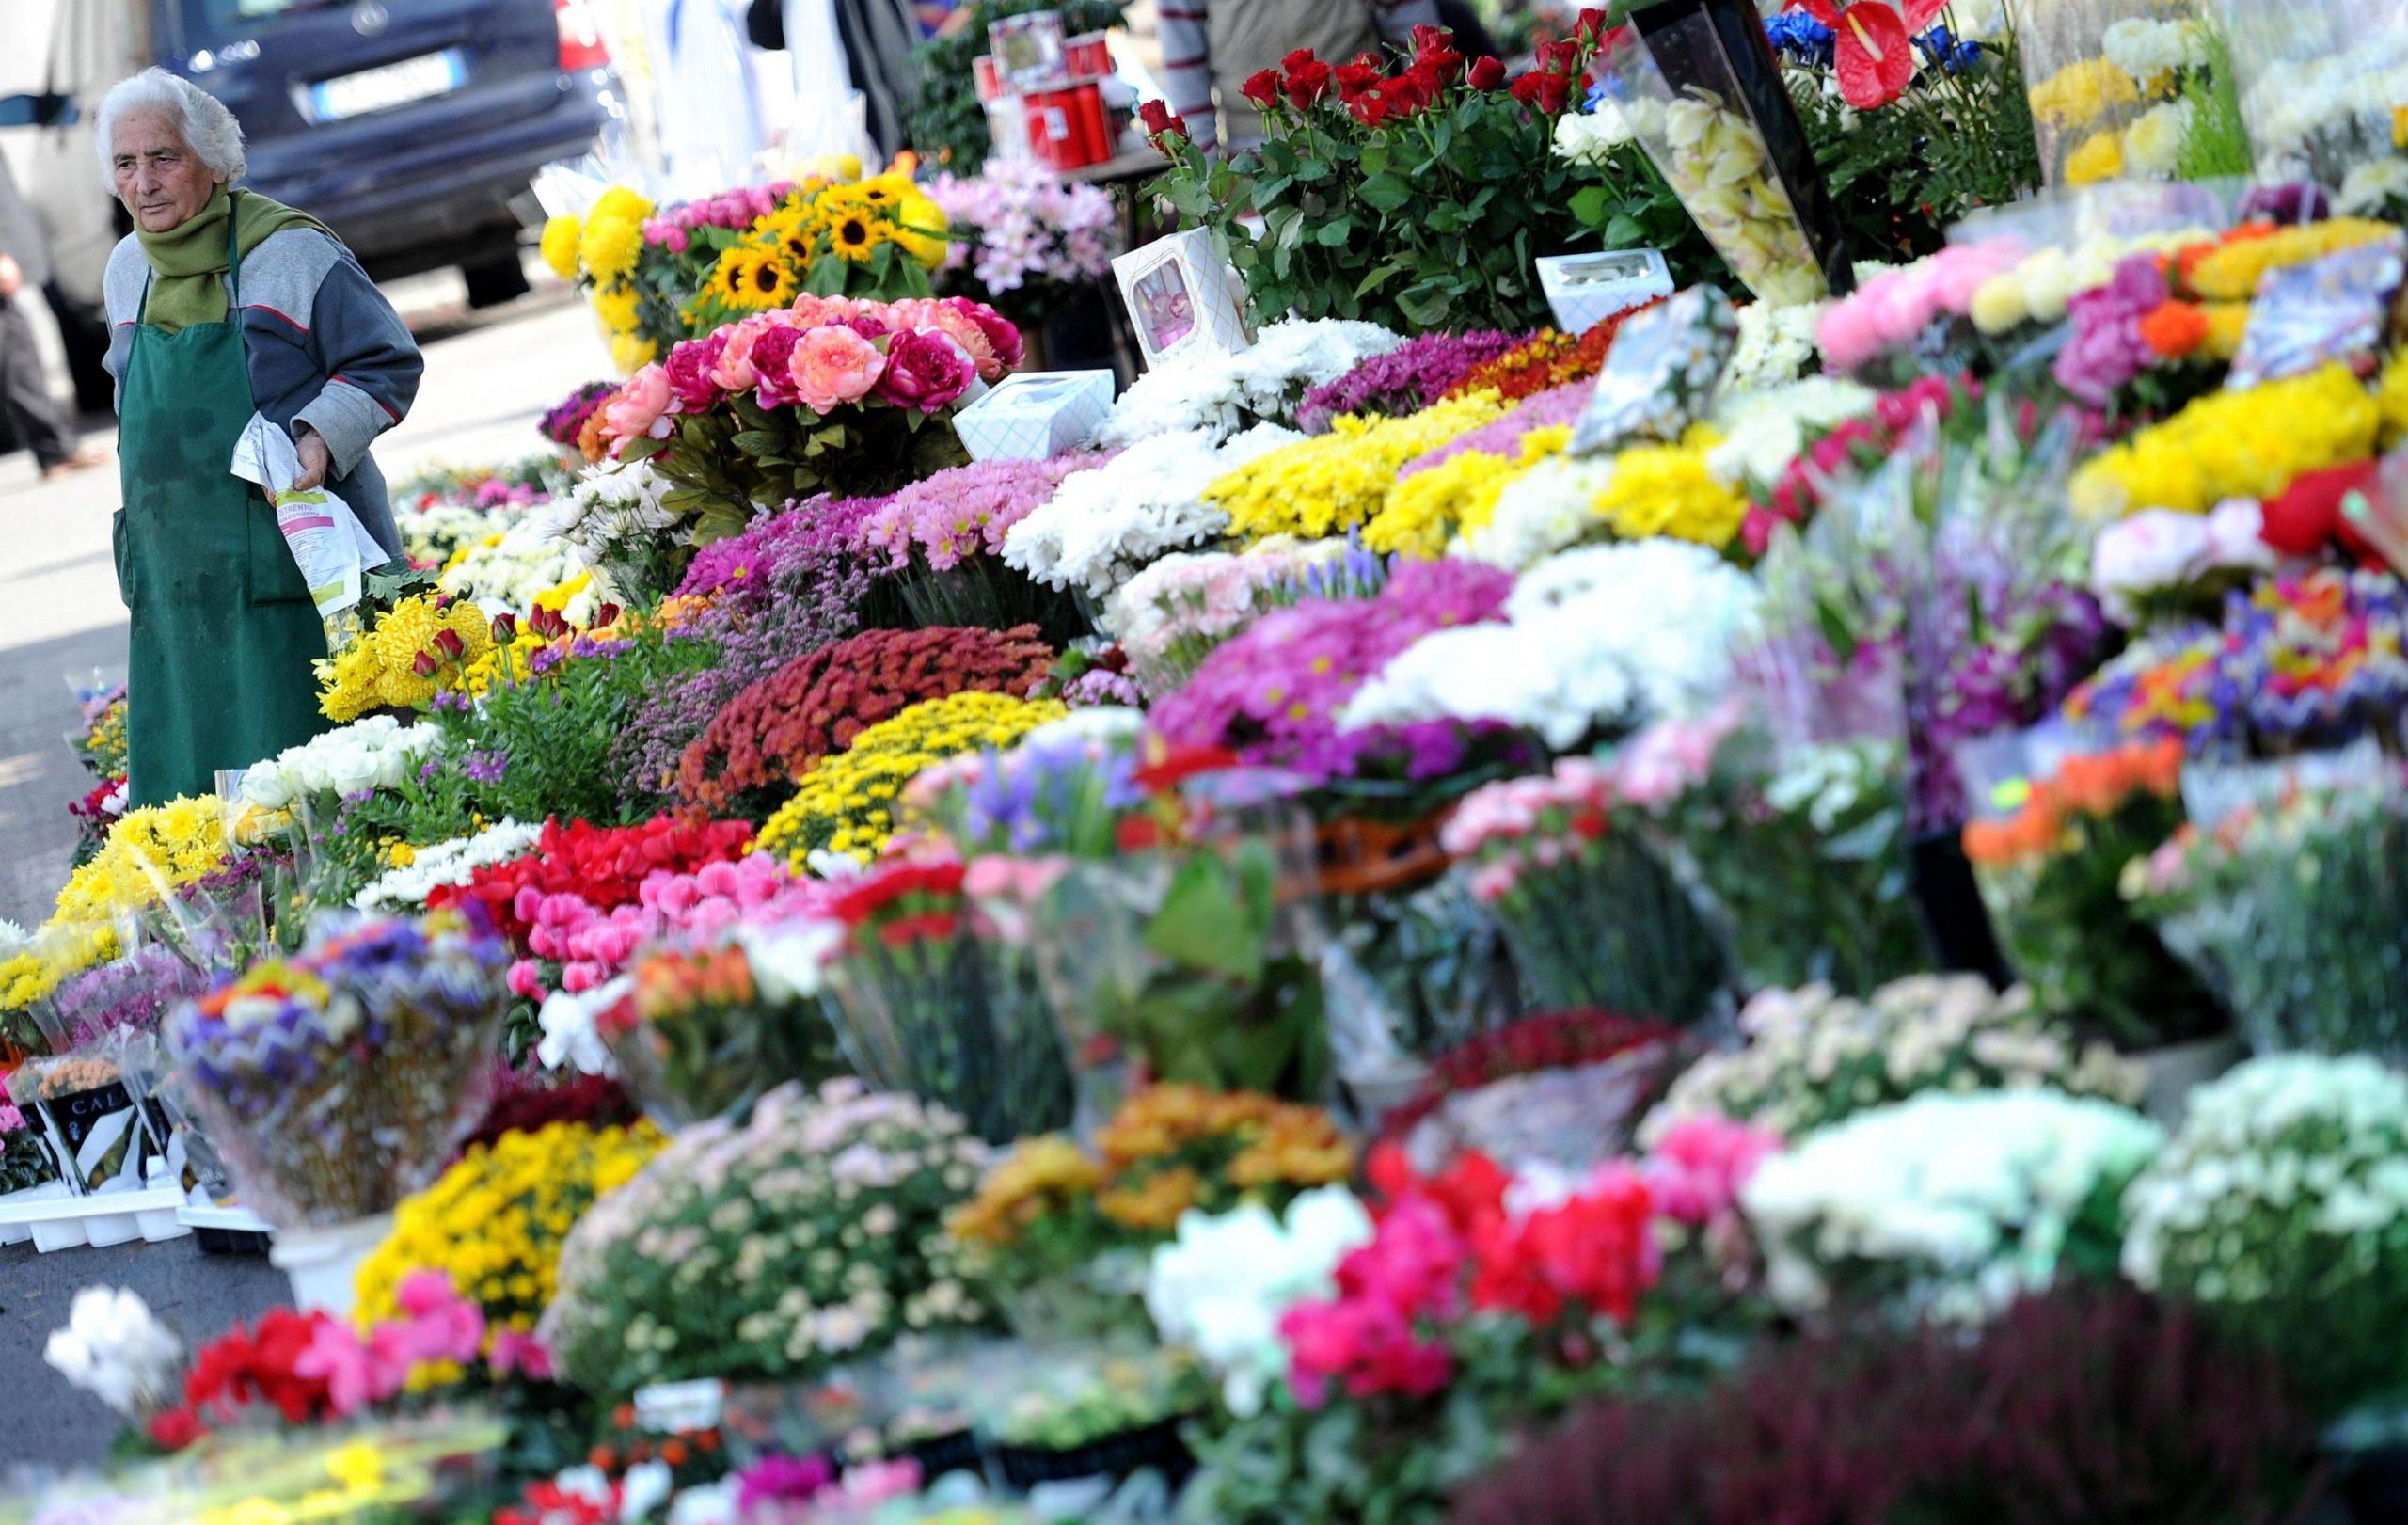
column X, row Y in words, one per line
column 222, row 305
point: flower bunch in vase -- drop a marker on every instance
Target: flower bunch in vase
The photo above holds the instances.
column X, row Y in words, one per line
column 927, row 1006
column 1061, row 1231
column 2291, row 912
column 942, row 540
column 1804, row 847
column 1810, row 1058
column 1594, row 915
column 832, row 394
column 337, row 1081
column 705, row 1029
column 1192, row 955
column 2053, row 873
column 767, row 739
column 1032, row 237
column 752, row 1212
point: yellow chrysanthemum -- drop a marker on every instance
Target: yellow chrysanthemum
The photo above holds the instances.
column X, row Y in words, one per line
column 847, row 802
column 492, row 1223
column 2100, row 158
column 2081, row 93
column 623, row 203
column 2250, row 443
column 616, row 306
column 608, row 247
column 631, row 353
column 2231, row 272
column 561, row 236
column 1337, row 482
column 1428, row 510
column 1669, row 490
column 2392, row 397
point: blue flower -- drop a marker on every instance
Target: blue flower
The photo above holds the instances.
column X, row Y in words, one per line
column 1939, row 48
column 1803, row 38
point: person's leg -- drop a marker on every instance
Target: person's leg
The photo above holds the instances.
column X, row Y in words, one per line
column 24, row 391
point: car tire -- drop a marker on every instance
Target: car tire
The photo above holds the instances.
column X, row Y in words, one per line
column 84, row 333
column 495, row 281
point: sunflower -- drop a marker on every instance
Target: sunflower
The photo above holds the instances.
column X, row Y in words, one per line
column 885, row 190
column 751, row 280
column 856, row 236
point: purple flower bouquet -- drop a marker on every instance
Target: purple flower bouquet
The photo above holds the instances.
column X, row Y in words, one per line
column 942, row 541
column 336, row 1082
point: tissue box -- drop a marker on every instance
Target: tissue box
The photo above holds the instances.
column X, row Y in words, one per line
column 1184, row 298
column 1584, row 290
column 1035, row 416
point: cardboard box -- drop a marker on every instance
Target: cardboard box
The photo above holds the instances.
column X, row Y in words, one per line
column 1184, row 298
column 1035, row 416
column 1584, row 290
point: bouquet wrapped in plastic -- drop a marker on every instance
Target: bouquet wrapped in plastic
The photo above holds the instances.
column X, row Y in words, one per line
column 1595, row 915
column 1194, row 955
column 2294, row 909
column 2321, row 84
column 2130, row 89
column 337, row 1081
column 705, row 1030
column 929, row 1007
column 2050, row 873
column 1803, row 845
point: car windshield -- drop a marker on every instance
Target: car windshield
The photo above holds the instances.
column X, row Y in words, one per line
column 208, row 23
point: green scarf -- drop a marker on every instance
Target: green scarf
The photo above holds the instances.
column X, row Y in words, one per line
column 189, row 260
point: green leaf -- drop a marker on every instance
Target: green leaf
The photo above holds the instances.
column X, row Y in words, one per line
column 1588, row 205
column 1335, row 232
column 1387, row 193
column 1205, row 921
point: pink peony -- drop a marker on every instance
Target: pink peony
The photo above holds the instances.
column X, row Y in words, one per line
column 689, row 370
column 834, row 366
column 925, row 371
column 1002, row 335
column 637, row 409
column 773, row 358
column 734, row 371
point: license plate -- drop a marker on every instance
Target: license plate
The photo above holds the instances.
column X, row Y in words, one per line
column 395, row 85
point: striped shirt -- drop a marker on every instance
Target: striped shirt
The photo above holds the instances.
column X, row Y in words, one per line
column 1187, row 52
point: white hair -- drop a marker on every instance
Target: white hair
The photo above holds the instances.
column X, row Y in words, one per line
column 207, row 127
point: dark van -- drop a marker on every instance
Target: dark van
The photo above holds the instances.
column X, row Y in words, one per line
column 407, row 126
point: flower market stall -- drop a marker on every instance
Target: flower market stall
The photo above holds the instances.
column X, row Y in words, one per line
column 1698, row 812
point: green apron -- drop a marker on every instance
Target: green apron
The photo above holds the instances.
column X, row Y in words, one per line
column 224, row 630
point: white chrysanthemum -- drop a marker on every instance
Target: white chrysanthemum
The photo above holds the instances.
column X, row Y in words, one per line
column 1763, row 432
column 1102, row 525
column 1971, row 1196
column 452, row 862
column 1223, row 395
column 376, row 752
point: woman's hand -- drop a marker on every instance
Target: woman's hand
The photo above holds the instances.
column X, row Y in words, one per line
column 311, row 448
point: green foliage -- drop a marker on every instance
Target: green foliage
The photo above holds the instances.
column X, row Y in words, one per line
column 946, row 122
column 1431, row 220
column 2217, row 142
column 1958, row 139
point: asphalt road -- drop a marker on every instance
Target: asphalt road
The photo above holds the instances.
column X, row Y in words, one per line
column 489, row 378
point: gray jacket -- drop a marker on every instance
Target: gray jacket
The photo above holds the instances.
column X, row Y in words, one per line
column 324, row 348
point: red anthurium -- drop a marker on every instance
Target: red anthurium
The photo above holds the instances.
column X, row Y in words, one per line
column 1873, row 47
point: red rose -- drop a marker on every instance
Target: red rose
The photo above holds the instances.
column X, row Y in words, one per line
column 1160, row 120
column 1360, row 78
column 1412, row 91
column 1307, row 82
column 1542, row 93
column 1487, row 73
column 1262, row 89
column 1591, row 27
column 1558, row 58
column 1372, row 109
